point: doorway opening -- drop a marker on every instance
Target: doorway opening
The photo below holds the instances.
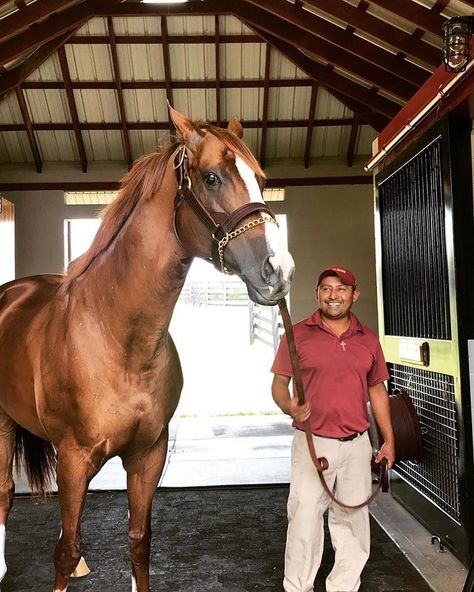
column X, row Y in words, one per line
column 226, row 430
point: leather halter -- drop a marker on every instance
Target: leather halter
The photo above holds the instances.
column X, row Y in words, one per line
column 222, row 226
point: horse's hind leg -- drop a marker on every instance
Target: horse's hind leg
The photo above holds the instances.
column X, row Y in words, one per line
column 142, row 480
column 7, row 487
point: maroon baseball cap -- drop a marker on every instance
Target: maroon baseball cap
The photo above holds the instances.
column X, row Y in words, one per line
column 344, row 274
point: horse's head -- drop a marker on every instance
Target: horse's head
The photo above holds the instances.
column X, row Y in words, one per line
column 220, row 213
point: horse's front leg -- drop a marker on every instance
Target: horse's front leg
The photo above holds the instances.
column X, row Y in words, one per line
column 75, row 470
column 7, row 439
column 142, row 479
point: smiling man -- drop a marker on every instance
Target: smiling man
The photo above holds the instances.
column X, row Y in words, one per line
column 342, row 364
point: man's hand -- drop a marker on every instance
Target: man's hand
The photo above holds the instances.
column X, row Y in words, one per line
column 299, row 412
column 388, row 452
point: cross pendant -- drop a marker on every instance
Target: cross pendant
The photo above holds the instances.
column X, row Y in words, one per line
column 343, row 345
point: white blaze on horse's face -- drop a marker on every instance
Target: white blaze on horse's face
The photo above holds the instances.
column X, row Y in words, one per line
column 281, row 257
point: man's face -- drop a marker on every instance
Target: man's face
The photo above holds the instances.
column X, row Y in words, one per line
column 335, row 298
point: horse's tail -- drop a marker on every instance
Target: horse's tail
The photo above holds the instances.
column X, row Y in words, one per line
column 38, row 457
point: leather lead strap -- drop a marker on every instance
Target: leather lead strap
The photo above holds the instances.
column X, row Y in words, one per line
column 321, row 464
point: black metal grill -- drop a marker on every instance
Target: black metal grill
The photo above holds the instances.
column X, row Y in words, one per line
column 414, row 262
column 436, row 475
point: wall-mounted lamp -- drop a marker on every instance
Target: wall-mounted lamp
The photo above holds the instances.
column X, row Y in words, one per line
column 457, row 33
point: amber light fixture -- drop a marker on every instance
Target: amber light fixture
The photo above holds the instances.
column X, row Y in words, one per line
column 457, row 33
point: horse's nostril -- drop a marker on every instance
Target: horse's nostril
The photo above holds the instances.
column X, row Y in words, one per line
column 268, row 270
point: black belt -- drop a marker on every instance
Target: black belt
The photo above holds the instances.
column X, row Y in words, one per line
column 343, row 439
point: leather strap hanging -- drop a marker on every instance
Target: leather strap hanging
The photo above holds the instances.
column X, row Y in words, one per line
column 321, row 464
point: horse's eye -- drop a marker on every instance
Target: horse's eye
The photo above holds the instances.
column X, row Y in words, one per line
column 211, row 179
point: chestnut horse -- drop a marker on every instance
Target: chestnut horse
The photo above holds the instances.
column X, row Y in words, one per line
column 88, row 369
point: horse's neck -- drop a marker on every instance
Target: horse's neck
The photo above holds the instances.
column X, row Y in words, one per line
column 138, row 281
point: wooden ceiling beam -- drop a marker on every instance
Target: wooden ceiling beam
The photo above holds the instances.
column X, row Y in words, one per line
column 351, row 148
column 158, row 39
column 309, row 132
column 266, row 88
column 29, row 15
column 45, row 31
column 160, row 84
column 167, row 68
column 9, row 79
column 163, row 125
column 424, row 18
column 329, row 52
column 72, row 107
column 29, row 129
column 119, row 92
column 364, row 22
column 217, row 57
column 344, row 39
column 356, row 94
column 271, row 183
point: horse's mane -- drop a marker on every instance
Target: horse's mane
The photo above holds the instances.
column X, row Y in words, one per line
column 141, row 182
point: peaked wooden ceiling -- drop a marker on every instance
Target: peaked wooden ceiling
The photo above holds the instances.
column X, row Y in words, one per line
column 369, row 55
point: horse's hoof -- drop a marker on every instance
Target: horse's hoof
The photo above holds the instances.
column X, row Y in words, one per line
column 81, row 569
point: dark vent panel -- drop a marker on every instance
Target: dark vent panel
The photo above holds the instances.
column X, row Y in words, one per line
column 436, row 475
column 414, row 262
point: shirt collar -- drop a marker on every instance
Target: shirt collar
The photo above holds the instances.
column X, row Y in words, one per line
column 315, row 320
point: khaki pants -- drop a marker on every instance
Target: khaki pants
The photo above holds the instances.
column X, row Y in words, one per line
column 349, row 476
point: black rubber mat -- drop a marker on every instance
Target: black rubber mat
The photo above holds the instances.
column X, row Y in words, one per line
column 204, row 540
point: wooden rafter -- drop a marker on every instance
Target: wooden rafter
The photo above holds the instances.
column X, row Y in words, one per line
column 309, row 132
column 119, row 92
column 266, row 92
column 29, row 40
column 329, row 52
column 161, row 84
column 28, row 15
column 167, row 66
column 163, row 125
column 424, row 18
column 379, row 29
column 344, row 39
column 354, row 93
column 217, row 54
column 72, row 107
column 9, row 79
column 158, row 39
column 115, row 185
column 351, row 148
column 29, row 129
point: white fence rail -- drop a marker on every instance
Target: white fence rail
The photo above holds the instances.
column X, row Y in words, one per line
column 266, row 324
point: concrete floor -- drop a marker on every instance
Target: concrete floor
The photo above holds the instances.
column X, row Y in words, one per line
column 254, row 451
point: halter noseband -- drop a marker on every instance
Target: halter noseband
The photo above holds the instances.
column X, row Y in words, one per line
column 222, row 233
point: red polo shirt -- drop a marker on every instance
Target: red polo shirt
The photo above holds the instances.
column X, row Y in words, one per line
column 336, row 372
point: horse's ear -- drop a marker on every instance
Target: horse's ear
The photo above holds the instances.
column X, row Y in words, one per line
column 186, row 128
column 236, row 127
